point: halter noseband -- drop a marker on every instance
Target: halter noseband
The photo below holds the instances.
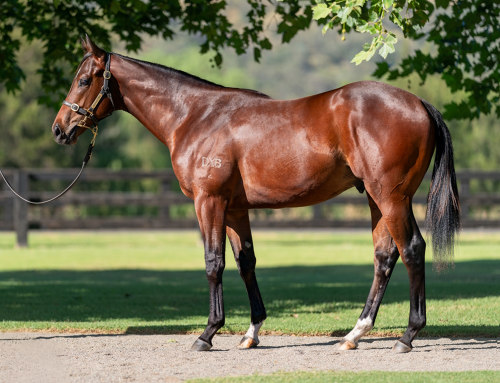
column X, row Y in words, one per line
column 89, row 113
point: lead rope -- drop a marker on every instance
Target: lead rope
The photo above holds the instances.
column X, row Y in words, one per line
column 87, row 158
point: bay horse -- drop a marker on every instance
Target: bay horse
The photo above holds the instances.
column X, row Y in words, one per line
column 236, row 149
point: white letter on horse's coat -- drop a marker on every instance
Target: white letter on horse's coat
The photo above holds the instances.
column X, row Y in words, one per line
column 211, row 162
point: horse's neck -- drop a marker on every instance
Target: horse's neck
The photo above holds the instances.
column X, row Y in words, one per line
column 160, row 99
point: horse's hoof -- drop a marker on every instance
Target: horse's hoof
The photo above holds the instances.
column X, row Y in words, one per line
column 347, row 345
column 401, row 348
column 200, row 345
column 248, row 342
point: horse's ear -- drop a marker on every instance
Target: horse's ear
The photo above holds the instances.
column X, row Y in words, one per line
column 84, row 45
column 91, row 47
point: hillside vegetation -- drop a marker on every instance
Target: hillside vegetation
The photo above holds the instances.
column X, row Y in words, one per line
column 308, row 65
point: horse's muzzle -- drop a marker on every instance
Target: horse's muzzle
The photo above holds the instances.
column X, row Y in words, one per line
column 61, row 137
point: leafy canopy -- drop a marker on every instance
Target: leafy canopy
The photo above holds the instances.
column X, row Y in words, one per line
column 466, row 34
column 409, row 15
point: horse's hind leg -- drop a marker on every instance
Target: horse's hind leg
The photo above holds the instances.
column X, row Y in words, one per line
column 403, row 228
column 240, row 237
column 211, row 212
column 386, row 256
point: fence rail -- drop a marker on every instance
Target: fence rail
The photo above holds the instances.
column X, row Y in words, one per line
column 16, row 214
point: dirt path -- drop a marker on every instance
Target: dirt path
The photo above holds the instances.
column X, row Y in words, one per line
column 29, row 357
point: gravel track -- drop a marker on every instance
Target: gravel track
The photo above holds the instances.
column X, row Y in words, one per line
column 46, row 357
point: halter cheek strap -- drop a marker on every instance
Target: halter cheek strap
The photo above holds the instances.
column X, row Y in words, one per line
column 89, row 113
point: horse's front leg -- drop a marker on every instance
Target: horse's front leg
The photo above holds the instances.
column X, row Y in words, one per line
column 240, row 237
column 211, row 212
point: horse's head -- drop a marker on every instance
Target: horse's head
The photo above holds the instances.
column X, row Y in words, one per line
column 70, row 122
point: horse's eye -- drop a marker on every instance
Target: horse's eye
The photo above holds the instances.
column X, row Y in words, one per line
column 83, row 82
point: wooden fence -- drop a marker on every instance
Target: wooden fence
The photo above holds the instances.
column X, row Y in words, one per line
column 16, row 214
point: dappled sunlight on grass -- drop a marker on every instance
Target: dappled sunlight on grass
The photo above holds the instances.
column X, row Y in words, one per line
column 311, row 283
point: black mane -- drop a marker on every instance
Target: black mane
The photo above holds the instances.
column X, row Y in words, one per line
column 183, row 74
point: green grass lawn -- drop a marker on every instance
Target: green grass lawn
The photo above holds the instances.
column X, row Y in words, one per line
column 363, row 377
column 311, row 283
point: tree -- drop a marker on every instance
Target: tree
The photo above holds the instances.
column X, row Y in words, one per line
column 466, row 34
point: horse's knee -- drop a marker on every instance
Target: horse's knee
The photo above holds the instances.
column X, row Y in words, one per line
column 215, row 265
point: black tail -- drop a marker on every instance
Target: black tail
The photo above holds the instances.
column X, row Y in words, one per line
column 443, row 205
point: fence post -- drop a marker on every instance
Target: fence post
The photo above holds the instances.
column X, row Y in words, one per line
column 464, row 197
column 164, row 210
column 21, row 209
column 8, row 206
column 317, row 212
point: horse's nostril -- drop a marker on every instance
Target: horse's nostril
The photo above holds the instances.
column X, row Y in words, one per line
column 57, row 130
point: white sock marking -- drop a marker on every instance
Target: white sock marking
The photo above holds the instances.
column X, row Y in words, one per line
column 361, row 328
column 253, row 331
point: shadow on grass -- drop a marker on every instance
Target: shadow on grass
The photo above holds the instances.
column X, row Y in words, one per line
column 169, row 296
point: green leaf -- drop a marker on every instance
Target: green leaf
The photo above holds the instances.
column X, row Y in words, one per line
column 372, row 29
column 391, row 39
column 362, row 26
column 218, row 59
column 373, row 16
column 344, row 14
column 321, row 11
column 325, row 28
column 388, row 3
column 115, row 7
column 256, row 54
column 359, row 58
column 442, row 3
column 335, row 8
column 396, row 18
column 56, row 3
column 266, row 44
column 382, row 68
column 371, row 52
column 384, row 51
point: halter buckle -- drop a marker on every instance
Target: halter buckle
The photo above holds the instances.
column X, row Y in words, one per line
column 107, row 74
column 75, row 107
